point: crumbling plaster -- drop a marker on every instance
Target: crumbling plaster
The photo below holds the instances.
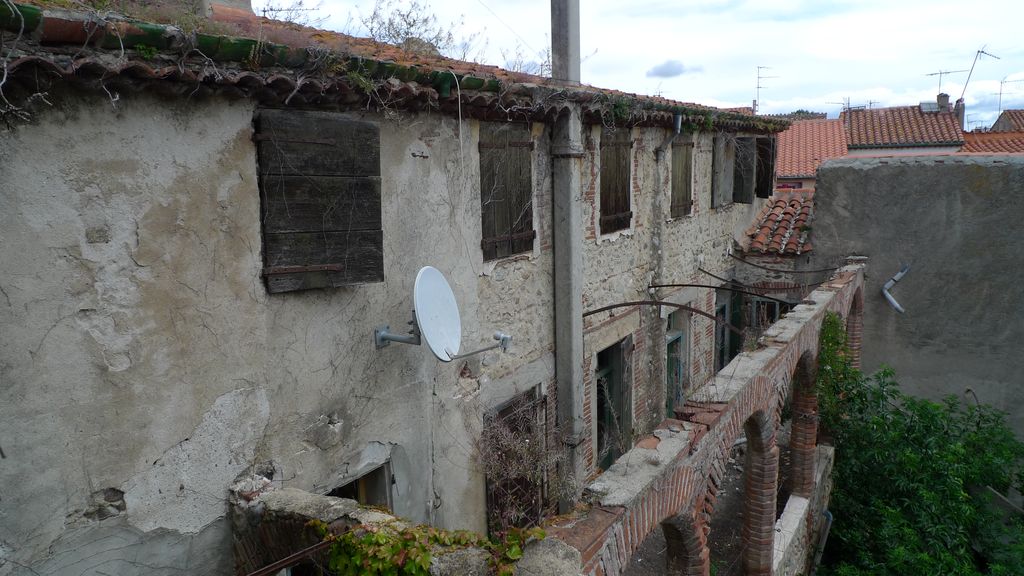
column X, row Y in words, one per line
column 140, row 351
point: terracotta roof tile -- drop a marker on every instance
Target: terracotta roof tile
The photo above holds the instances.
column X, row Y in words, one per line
column 1010, row 121
column 781, row 227
column 807, row 143
column 994, row 142
column 900, row 126
column 303, row 66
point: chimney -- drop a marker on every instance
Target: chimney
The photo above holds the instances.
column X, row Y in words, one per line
column 959, row 110
column 565, row 40
column 943, row 101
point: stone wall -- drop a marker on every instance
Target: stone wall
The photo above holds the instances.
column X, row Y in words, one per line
column 144, row 367
column 953, row 220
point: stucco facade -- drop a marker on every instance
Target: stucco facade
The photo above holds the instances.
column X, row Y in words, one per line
column 950, row 219
column 144, row 367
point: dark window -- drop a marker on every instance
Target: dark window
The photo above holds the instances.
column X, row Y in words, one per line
column 319, row 179
column 506, row 190
column 765, row 167
column 728, row 310
column 682, row 179
column 677, row 361
column 372, row 488
column 723, row 158
column 744, row 169
column 613, row 415
column 616, row 150
column 516, row 441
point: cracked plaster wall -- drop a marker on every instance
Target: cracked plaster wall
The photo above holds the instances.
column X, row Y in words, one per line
column 142, row 360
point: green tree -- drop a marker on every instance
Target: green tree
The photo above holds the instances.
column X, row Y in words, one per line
column 910, row 476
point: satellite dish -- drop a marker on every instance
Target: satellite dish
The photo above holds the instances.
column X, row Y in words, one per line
column 435, row 318
column 437, row 313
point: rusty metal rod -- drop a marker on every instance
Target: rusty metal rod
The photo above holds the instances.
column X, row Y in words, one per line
column 755, row 265
column 720, row 288
column 663, row 303
column 289, row 561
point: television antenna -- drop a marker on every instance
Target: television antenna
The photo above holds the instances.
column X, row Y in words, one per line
column 435, row 320
column 1003, row 82
column 977, row 55
column 942, row 73
column 757, row 98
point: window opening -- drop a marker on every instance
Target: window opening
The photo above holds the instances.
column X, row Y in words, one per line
column 613, row 418
column 616, row 150
column 506, row 190
column 682, row 179
column 370, row 489
column 677, row 361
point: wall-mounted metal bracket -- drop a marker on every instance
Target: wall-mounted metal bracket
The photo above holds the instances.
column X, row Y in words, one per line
column 504, row 340
column 382, row 335
column 892, row 282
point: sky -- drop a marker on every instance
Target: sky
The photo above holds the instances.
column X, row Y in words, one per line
column 816, row 54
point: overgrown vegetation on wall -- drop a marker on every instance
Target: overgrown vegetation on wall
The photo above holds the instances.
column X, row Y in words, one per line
column 396, row 548
column 911, row 476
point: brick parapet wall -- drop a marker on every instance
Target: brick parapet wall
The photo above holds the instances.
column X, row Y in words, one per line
column 756, row 383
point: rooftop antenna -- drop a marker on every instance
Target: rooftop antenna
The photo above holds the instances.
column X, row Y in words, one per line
column 977, row 55
column 760, row 77
column 435, row 320
column 1003, row 82
column 942, row 73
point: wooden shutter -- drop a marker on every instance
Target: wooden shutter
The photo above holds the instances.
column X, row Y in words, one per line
column 723, row 161
column 765, row 167
column 616, row 151
column 506, row 190
column 682, row 179
column 319, row 177
column 743, row 171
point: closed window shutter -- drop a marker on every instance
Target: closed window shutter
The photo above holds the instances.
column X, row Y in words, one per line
column 744, row 170
column 506, row 190
column 616, row 148
column 682, row 179
column 765, row 167
column 319, row 178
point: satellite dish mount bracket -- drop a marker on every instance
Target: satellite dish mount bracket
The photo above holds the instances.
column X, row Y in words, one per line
column 382, row 335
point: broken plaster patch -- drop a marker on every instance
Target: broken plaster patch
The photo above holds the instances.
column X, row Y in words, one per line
column 186, row 488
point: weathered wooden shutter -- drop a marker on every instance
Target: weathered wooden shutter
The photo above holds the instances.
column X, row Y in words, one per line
column 319, row 177
column 506, row 190
column 722, row 157
column 682, row 179
column 616, row 151
column 765, row 167
column 743, row 171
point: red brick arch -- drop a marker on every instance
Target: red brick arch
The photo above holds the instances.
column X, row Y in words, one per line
column 747, row 398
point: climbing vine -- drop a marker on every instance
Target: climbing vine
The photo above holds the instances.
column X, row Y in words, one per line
column 914, row 479
column 398, row 549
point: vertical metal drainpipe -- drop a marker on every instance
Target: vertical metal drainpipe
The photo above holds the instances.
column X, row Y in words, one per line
column 567, row 225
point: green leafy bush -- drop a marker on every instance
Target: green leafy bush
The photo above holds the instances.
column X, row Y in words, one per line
column 905, row 472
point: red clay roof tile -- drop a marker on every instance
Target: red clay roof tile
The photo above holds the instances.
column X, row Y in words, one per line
column 1010, row 121
column 900, row 126
column 994, row 142
column 781, row 226
column 807, row 143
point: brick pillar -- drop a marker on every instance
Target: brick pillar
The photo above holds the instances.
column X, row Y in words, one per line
column 761, row 489
column 687, row 553
column 804, row 436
